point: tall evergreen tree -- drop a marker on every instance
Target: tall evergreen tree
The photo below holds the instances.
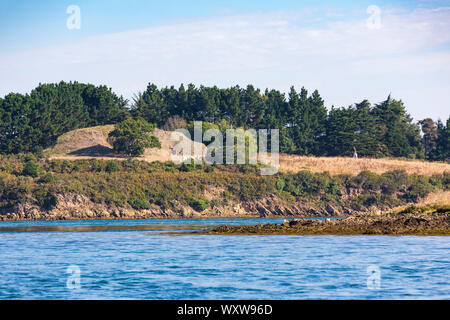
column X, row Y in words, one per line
column 254, row 106
column 152, row 106
column 340, row 132
column 442, row 151
column 400, row 135
column 310, row 124
column 430, row 136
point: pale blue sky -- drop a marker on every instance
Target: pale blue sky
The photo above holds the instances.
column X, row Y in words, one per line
column 323, row 45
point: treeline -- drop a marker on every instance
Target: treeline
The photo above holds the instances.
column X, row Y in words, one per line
column 33, row 121
column 306, row 126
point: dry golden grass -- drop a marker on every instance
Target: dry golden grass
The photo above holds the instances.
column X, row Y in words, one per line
column 342, row 165
column 439, row 198
column 82, row 138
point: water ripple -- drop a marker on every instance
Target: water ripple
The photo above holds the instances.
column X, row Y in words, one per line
column 136, row 264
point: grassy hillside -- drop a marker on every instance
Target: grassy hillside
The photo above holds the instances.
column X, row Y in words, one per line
column 81, row 177
column 62, row 189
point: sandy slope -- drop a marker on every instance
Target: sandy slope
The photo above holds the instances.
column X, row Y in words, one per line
column 93, row 142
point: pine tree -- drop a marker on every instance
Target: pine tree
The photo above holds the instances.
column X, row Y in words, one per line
column 311, row 123
column 430, row 136
column 400, row 135
column 442, row 151
column 151, row 106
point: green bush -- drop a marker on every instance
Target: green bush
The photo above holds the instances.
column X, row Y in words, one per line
column 65, row 165
column 45, row 199
column 280, row 184
column 111, row 166
column 31, row 169
column 14, row 189
column 188, row 167
column 418, row 191
column 334, row 188
column 47, row 178
column 369, row 181
column 446, row 180
column 139, row 204
column 198, row 204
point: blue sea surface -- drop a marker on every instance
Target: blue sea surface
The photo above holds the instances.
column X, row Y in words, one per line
column 133, row 263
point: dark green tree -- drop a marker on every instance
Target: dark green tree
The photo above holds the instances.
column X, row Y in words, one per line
column 442, row 151
column 430, row 136
column 399, row 134
column 32, row 122
column 131, row 137
column 311, row 123
column 151, row 106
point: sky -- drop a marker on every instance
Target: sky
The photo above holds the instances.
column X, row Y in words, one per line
column 348, row 50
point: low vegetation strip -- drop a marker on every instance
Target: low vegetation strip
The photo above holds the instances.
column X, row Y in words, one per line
column 34, row 189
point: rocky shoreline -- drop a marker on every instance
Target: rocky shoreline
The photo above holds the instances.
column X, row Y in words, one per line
column 79, row 207
column 386, row 224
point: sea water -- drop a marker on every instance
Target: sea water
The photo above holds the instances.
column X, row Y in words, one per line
column 140, row 259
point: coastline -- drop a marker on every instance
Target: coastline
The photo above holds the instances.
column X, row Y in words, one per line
column 80, row 207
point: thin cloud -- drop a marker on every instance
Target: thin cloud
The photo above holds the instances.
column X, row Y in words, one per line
column 269, row 50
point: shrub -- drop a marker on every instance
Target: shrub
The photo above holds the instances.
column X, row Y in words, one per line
column 398, row 178
column 96, row 165
column 198, row 204
column 389, row 187
column 14, row 189
column 139, row 204
column 169, row 169
column 45, row 199
column 446, row 180
column 111, row 166
column 47, row 178
column 31, row 169
column 280, row 184
column 188, row 167
column 412, row 209
column 369, row 181
column 66, row 164
column 334, row 188
column 417, row 191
